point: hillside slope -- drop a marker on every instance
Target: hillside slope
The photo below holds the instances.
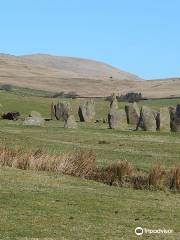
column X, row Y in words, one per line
column 83, row 76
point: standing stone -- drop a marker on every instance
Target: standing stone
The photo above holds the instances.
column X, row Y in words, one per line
column 70, row 122
column 117, row 119
column 62, row 110
column 114, row 102
column 172, row 112
column 147, row 120
column 66, row 110
column 177, row 118
column 164, row 120
column 87, row 112
column 57, row 111
column 53, row 115
column 133, row 113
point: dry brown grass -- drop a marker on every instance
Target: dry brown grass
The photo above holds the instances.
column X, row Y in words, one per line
column 175, row 178
column 82, row 163
column 139, row 180
column 7, row 156
column 114, row 174
column 156, row 176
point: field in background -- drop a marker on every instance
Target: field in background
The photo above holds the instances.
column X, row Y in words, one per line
column 53, row 205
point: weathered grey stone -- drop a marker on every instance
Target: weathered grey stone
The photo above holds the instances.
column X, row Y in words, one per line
column 172, row 112
column 164, row 120
column 53, row 113
column 133, row 113
column 117, row 119
column 35, row 114
column 87, row 112
column 147, row 120
column 114, row 102
column 62, row 110
column 70, row 122
column 34, row 121
column 177, row 119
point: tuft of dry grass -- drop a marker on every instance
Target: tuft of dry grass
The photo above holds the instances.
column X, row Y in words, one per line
column 115, row 174
column 7, row 156
column 156, row 176
column 139, row 180
column 175, row 178
column 80, row 164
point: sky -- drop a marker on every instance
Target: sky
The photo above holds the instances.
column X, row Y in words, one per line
column 138, row 36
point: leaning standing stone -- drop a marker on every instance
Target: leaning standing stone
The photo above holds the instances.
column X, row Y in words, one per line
column 133, row 113
column 87, row 112
column 62, row 110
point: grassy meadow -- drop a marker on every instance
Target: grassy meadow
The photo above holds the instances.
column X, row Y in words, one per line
column 45, row 205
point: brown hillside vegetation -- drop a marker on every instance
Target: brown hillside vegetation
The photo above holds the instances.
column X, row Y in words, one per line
column 83, row 76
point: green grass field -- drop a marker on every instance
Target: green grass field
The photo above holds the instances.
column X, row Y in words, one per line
column 48, row 205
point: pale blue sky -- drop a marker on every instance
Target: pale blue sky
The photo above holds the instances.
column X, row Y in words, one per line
column 139, row 36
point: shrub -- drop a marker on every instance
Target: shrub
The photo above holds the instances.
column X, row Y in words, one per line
column 6, row 87
column 103, row 142
column 72, row 95
column 131, row 97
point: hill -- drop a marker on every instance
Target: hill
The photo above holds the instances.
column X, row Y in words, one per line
column 83, row 76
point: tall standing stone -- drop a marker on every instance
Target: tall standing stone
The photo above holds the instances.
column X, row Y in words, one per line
column 62, row 110
column 87, row 112
column 172, row 112
column 114, row 102
column 147, row 120
column 52, row 111
column 133, row 113
column 164, row 119
column 177, row 118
